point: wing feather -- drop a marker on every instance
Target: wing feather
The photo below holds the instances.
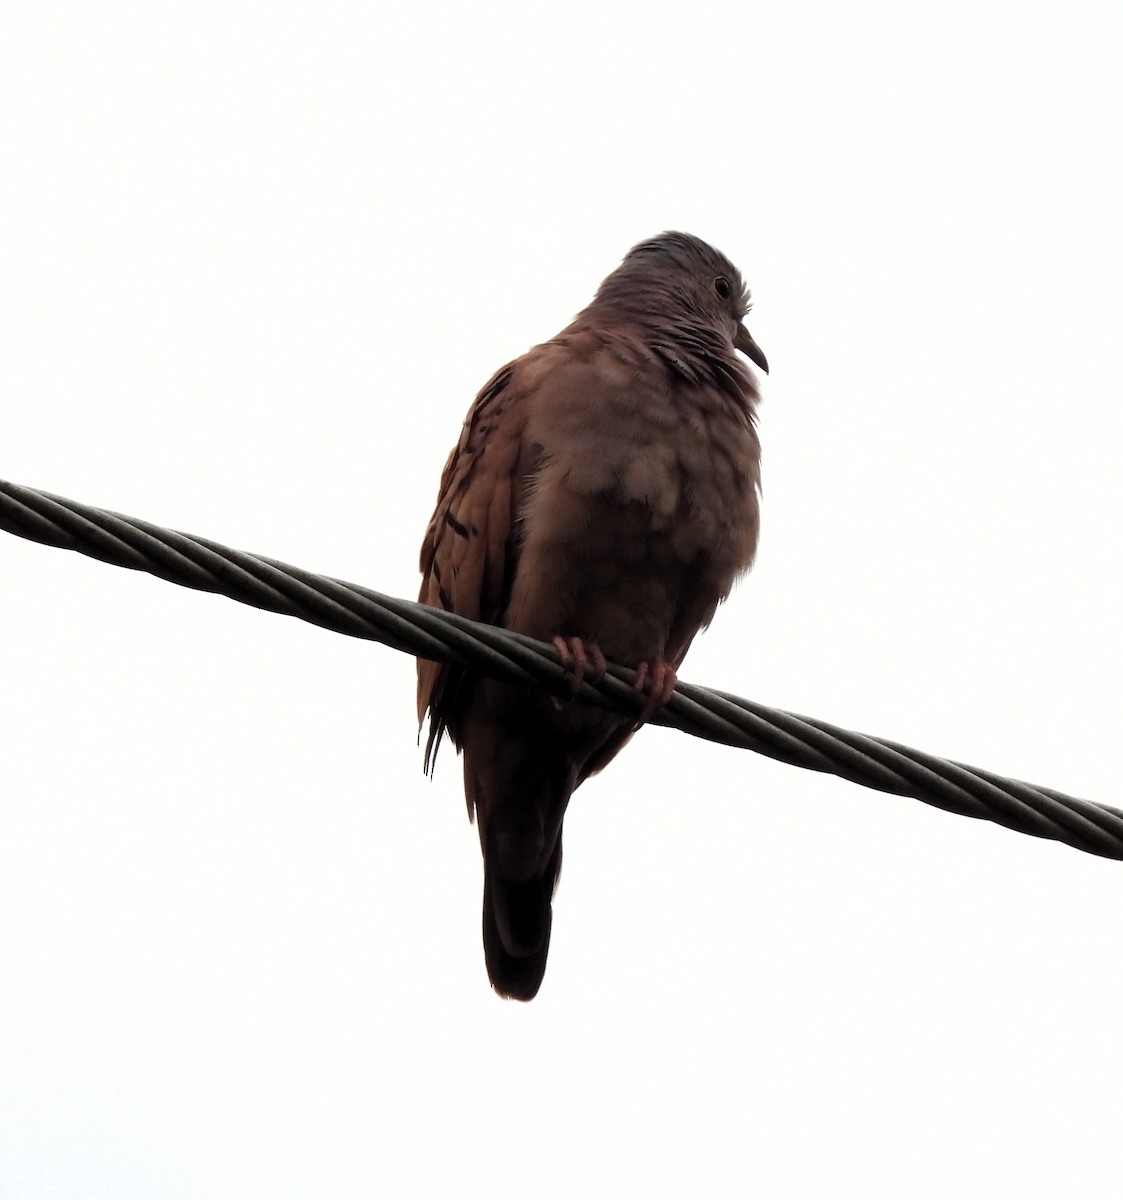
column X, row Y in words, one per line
column 470, row 549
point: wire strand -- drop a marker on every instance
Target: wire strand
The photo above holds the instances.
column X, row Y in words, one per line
column 426, row 632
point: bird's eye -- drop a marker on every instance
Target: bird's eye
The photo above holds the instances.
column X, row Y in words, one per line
column 721, row 286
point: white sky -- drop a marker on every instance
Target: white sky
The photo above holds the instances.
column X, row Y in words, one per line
column 257, row 260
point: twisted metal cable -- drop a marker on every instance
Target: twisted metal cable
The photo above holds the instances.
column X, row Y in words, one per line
column 426, row 632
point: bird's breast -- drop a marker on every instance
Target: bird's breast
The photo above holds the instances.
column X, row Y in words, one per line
column 642, row 495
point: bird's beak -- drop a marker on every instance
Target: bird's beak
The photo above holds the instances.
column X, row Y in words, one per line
column 744, row 342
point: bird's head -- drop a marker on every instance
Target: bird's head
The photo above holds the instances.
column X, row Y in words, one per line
column 698, row 278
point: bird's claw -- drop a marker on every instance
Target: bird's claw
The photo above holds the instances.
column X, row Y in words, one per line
column 583, row 660
column 658, row 679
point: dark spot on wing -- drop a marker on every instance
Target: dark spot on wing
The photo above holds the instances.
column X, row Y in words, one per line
column 455, row 525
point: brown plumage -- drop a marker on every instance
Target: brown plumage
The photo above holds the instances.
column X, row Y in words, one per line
column 603, row 495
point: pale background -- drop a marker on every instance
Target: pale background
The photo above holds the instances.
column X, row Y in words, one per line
column 256, row 261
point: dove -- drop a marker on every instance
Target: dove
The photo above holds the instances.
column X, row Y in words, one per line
column 603, row 496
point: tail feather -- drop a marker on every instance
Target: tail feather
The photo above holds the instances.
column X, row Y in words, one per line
column 520, row 770
column 517, row 917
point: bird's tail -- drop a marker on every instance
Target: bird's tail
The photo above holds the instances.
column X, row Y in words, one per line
column 516, row 924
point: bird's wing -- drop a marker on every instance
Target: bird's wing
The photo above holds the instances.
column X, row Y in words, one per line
column 471, row 548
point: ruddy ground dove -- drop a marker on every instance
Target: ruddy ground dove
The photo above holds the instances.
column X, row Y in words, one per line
column 603, row 496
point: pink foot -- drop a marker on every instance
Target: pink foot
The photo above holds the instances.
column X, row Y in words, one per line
column 580, row 658
column 658, row 679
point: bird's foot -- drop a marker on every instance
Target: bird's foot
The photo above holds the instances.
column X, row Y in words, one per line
column 657, row 678
column 583, row 660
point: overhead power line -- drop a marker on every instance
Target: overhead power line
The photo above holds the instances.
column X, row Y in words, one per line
column 426, row 632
